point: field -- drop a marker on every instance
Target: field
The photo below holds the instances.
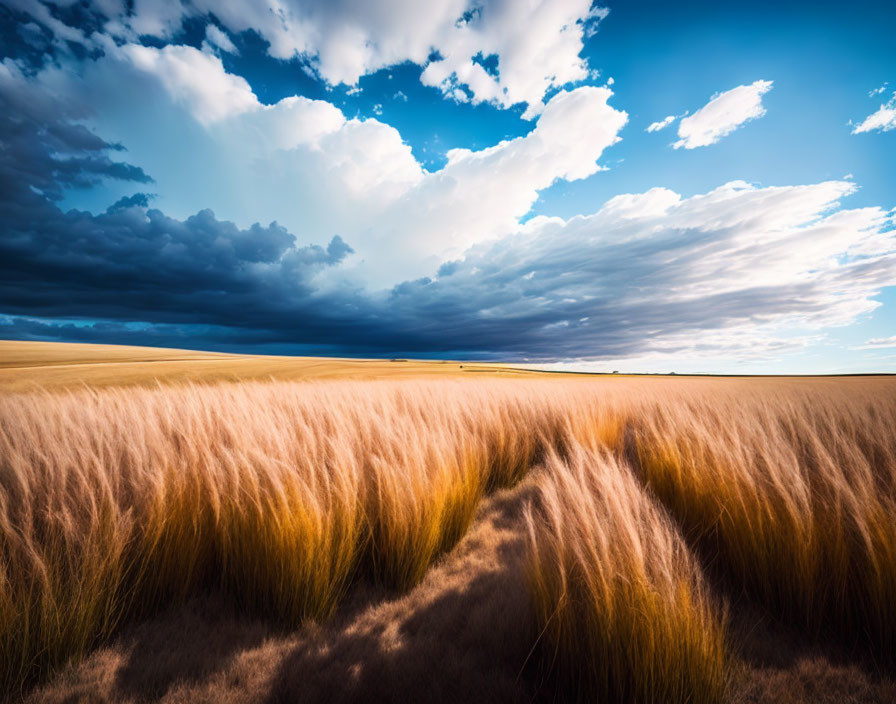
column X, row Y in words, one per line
column 180, row 526
column 29, row 366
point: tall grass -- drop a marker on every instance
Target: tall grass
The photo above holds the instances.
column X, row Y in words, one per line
column 115, row 503
column 793, row 496
column 626, row 614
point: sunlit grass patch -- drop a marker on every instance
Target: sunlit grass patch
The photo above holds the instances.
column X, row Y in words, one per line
column 625, row 613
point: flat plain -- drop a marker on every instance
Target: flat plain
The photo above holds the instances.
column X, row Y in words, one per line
column 28, row 366
column 180, row 526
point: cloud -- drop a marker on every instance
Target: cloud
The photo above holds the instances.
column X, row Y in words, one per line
column 194, row 79
column 536, row 44
column 722, row 115
column 129, row 261
column 878, row 343
column 42, row 14
column 218, row 39
column 302, row 163
column 481, row 195
column 739, row 270
column 654, row 273
column 648, row 274
column 661, row 124
column 204, row 136
column 882, row 120
column 45, row 147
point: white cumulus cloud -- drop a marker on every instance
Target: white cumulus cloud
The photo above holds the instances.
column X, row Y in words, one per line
column 722, row 115
column 535, row 44
column 480, row 195
column 194, row 79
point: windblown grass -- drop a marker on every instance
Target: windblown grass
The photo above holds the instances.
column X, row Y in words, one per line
column 279, row 495
column 626, row 613
column 119, row 501
column 794, row 497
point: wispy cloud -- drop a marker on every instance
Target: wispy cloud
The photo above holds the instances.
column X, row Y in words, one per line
column 662, row 124
column 215, row 38
column 882, row 120
column 878, row 343
column 722, row 115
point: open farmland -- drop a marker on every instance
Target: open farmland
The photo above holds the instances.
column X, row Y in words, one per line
column 296, row 531
column 28, row 366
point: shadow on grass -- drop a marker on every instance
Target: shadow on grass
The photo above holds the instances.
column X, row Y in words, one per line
column 778, row 660
column 464, row 634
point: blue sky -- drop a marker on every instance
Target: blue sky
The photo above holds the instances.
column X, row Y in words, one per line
column 475, row 180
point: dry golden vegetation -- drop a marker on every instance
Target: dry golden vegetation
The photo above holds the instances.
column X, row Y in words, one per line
column 31, row 366
column 610, row 539
column 621, row 596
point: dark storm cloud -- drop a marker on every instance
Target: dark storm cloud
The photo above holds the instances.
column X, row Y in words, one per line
column 132, row 263
column 205, row 282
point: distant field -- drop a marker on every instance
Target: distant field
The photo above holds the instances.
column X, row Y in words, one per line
column 439, row 533
column 50, row 365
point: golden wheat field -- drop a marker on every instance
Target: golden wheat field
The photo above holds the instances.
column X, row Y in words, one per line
column 238, row 529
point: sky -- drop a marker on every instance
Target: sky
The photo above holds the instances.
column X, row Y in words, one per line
column 634, row 186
